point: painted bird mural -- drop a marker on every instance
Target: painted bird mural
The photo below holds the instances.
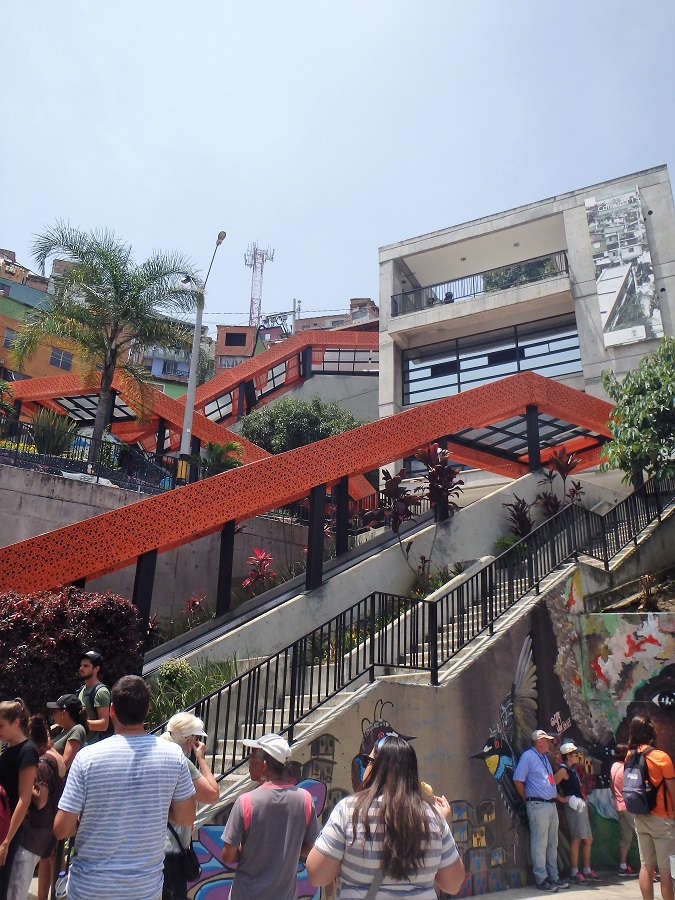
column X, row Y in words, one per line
column 518, row 719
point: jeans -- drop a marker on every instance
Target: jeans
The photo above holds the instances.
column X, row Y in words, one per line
column 22, row 874
column 543, row 818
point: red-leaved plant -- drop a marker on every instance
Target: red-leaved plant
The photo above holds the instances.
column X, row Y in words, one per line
column 259, row 571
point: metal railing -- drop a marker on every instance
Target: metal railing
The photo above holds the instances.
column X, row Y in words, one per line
column 388, row 631
column 528, row 271
column 42, row 449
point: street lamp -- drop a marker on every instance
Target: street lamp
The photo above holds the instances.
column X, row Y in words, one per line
column 186, row 434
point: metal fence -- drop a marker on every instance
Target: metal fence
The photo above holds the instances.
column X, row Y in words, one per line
column 388, row 631
column 455, row 290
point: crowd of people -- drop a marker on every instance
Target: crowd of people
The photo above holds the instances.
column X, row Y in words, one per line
column 129, row 804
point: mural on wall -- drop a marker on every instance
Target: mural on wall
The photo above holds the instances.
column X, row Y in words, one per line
column 629, row 308
column 518, row 719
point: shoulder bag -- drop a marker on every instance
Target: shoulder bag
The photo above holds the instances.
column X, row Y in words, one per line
column 189, row 862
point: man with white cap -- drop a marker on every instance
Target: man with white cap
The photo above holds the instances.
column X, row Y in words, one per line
column 536, row 784
column 269, row 828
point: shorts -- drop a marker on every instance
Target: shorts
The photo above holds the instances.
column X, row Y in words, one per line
column 626, row 827
column 656, row 841
column 578, row 825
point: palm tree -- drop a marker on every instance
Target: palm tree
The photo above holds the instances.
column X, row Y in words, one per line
column 108, row 306
column 218, row 458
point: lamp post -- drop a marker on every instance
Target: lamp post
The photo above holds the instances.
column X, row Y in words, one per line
column 186, row 434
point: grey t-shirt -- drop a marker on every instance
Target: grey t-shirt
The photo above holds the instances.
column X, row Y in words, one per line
column 271, row 823
column 76, row 732
column 97, row 695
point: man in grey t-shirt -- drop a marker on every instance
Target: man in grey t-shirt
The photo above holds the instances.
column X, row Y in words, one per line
column 270, row 828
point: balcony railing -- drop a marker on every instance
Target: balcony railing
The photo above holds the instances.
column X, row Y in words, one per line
column 541, row 268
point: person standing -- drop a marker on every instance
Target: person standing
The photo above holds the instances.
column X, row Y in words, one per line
column 18, row 767
column 626, row 819
column 68, row 713
column 389, row 834
column 575, row 811
column 534, row 781
column 123, row 791
column 270, row 828
column 36, row 837
column 186, row 730
column 656, row 830
column 95, row 697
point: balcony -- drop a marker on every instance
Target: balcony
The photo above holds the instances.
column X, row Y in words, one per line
column 541, row 268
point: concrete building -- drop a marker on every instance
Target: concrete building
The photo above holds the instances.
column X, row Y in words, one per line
column 235, row 344
column 566, row 287
column 361, row 310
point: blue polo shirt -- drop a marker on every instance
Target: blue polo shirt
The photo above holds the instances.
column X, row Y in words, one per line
column 535, row 770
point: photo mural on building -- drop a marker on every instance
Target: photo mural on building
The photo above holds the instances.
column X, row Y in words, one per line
column 629, row 307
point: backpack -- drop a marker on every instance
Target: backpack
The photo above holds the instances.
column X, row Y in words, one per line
column 639, row 794
column 5, row 814
column 110, row 730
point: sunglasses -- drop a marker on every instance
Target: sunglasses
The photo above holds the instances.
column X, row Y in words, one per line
column 364, row 759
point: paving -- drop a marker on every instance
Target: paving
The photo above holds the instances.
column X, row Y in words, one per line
column 610, row 888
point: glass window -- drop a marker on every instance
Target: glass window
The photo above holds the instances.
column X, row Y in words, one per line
column 9, row 337
column 61, row 359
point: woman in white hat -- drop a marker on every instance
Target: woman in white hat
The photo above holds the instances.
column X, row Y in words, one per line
column 575, row 811
column 186, row 730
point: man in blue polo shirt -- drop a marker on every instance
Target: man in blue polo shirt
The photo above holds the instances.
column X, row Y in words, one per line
column 535, row 782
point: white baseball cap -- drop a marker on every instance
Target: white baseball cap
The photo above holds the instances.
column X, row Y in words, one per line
column 272, row 744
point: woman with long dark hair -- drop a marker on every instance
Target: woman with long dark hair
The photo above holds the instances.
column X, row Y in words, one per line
column 18, row 767
column 388, row 833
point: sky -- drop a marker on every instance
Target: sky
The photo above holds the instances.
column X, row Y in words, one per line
column 323, row 130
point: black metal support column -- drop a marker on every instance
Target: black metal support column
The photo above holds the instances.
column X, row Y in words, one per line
column 110, row 409
column 240, row 400
column 341, row 503
column 161, row 439
column 533, row 451
column 315, row 535
column 143, row 584
column 193, row 470
column 80, row 583
column 224, row 589
column 307, row 362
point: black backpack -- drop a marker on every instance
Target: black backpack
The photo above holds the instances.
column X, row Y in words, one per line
column 639, row 794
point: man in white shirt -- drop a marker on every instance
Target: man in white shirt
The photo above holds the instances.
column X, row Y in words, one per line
column 124, row 790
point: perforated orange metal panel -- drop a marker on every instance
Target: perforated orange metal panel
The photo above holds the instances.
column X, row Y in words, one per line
column 116, row 539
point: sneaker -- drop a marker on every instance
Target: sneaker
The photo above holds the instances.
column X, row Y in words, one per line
column 627, row 873
column 578, row 879
column 547, row 886
column 591, row 876
column 561, row 884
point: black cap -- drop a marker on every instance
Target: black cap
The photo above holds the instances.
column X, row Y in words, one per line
column 69, row 702
column 93, row 656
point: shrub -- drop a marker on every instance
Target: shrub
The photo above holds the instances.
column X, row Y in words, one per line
column 52, row 432
column 177, row 684
column 42, row 635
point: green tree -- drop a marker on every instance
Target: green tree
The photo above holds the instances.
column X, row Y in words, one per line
column 518, row 273
column 108, row 306
column 643, row 422
column 6, row 394
column 289, row 423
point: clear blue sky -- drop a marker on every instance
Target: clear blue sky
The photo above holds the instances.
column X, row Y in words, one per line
column 324, row 130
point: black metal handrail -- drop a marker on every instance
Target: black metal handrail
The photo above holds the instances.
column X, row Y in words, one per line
column 539, row 268
column 393, row 631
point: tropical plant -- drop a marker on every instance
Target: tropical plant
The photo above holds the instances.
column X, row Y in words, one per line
column 643, row 419
column 396, row 504
column 563, row 463
column 217, row 458
column 260, row 572
column 442, row 481
column 289, row 423
column 6, row 393
column 177, row 684
column 53, row 432
column 108, row 306
column 519, row 516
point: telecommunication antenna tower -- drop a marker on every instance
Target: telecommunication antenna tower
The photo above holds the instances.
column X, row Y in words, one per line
column 255, row 259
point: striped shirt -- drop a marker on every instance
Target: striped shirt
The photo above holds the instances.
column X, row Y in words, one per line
column 361, row 860
column 123, row 787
